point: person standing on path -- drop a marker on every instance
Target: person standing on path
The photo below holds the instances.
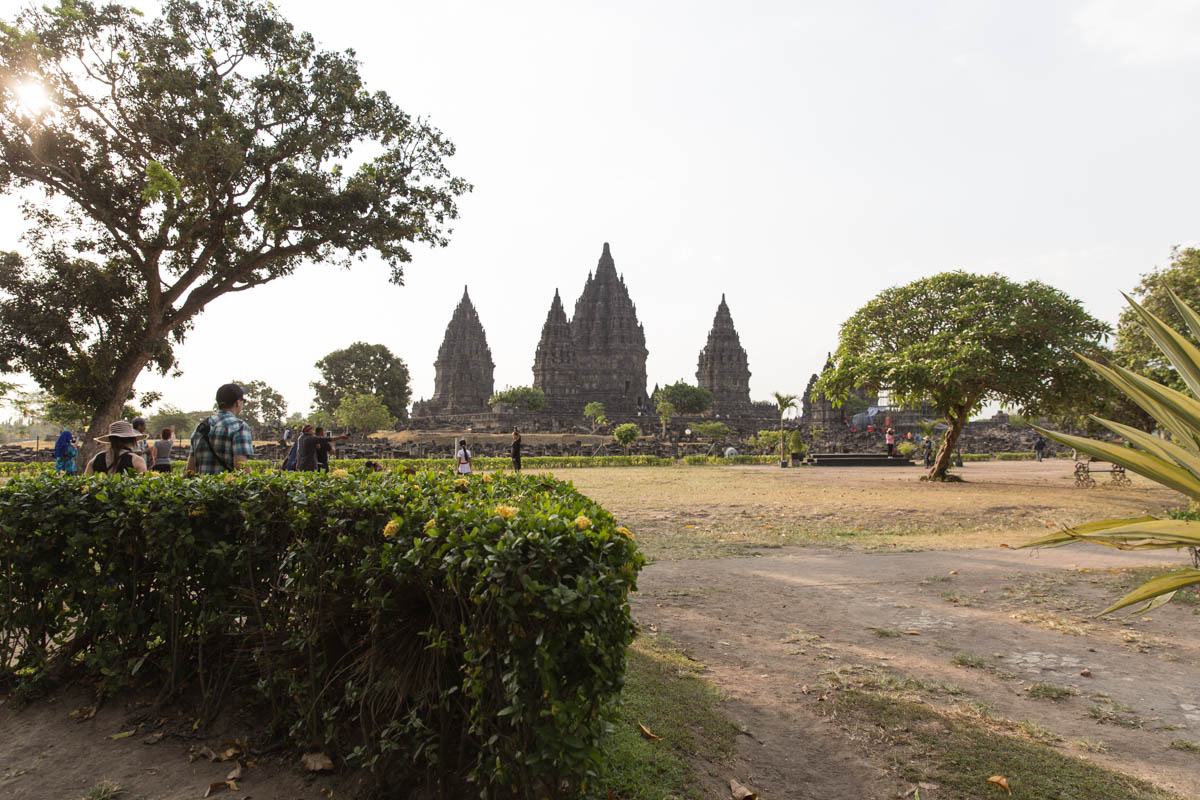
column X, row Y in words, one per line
column 325, row 447
column 890, row 438
column 927, row 451
column 162, row 450
column 464, row 458
column 1039, row 446
column 222, row 442
column 65, row 453
column 120, row 456
column 516, row 450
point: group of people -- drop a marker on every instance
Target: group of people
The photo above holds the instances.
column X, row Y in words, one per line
column 220, row 443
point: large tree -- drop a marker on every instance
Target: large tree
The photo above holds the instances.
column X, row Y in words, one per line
column 363, row 368
column 961, row 341
column 264, row 407
column 208, row 150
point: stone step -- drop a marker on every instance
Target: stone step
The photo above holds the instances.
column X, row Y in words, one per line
column 858, row 460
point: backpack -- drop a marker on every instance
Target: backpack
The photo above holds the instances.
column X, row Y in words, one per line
column 124, row 463
column 204, row 429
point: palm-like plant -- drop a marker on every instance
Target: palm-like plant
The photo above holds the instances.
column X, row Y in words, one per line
column 1173, row 462
column 786, row 402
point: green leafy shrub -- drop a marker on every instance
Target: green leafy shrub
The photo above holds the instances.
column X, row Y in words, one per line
column 464, row 634
column 797, row 444
column 627, row 434
column 528, row 463
column 976, row 457
column 906, row 449
column 1015, row 456
column 529, row 398
column 698, row 460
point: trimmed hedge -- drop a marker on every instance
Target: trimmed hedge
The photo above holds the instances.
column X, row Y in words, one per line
column 696, row 460
column 1015, row 456
column 529, row 462
column 454, row 636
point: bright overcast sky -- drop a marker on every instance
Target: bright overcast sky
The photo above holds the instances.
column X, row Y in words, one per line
column 798, row 157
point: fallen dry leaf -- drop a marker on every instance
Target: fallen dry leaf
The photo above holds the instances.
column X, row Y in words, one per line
column 1004, row 545
column 121, row 735
column 912, row 633
column 740, row 792
column 201, row 752
column 220, row 786
column 317, row 762
column 83, row 713
column 644, row 731
column 235, row 774
column 1087, row 673
column 1001, row 781
column 953, row 572
column 153, row 738
column 804, row 689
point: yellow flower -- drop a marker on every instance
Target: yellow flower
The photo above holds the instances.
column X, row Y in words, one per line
column 582, row 522
column 229, row 476
column 430, row 524
column 340, row 473
column 508, row 512
column 486, row 478
column 625, row 532
column 392, row 528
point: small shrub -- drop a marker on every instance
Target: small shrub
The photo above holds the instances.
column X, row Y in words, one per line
column 1016, row 456
column 906, row 449
column 976, row 457
column 1185, row 745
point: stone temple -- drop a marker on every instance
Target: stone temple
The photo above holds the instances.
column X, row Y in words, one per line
column 723, row 368
column 463, row 371
column 598, row 354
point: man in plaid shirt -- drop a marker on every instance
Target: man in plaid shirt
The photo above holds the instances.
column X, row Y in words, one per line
column 229, row 437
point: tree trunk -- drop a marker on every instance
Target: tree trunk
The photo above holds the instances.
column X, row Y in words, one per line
column 110, row 410
column 956, row 419
column 781, row 455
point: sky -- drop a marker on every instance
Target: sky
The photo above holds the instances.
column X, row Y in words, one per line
column 797, row 157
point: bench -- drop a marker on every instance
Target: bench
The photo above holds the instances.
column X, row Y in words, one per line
column 1084, row 472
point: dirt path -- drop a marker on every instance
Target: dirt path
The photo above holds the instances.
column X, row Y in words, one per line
column 768, row 627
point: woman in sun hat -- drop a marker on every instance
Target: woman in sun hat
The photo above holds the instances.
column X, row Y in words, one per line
column 119, row 456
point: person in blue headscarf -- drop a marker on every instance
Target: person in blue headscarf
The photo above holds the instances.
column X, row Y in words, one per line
column 65, row 453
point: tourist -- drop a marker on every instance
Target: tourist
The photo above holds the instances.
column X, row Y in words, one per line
column 139, row 425
column 162, row 450
column 326, row 448
column 65, row 453
column 927, row 451
column 890, row 437
column 120, row 456
column 1039, row 446
column 373, row 466
column 222, row 442
column 464, row 458
column 516, row 450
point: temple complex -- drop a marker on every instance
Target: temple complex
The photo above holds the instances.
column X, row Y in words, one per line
column 596, row 355
column 723, row 368
column 463, row 372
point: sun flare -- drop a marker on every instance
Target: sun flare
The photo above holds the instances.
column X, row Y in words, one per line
column 32, row 97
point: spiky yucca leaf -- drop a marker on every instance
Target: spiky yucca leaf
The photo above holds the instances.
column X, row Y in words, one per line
column 1174, row 463
column 1163, row 584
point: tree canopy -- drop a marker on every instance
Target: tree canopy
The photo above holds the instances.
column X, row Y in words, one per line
column 363, row 368
column 529, row 398
column 684, row 397
column 264, row 407
column 364, row 412
column 978, row 339
column 180, row 158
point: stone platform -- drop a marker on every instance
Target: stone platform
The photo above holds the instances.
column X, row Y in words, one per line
column 858, row 460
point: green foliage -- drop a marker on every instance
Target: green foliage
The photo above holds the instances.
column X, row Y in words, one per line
column 527, row 398
column 595, row 412
column 720, row 461
column 362, row 368
column 528, row 463
column 466, row 632
column 979, row 339
column 1135, row 349
column 765, row 441
column 684, row 398
column 906, row 449
column 712, row 430
column 666, row 411
column 627, row 434
column 797, row 445
column 168, row 416
column 364, row 412
column 171, row 174
column 1173, row 462
column 264, row 407
column 1016, row 456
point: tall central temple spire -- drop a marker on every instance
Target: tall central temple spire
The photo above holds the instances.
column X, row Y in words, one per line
column 463, row 372
column 723, row 368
